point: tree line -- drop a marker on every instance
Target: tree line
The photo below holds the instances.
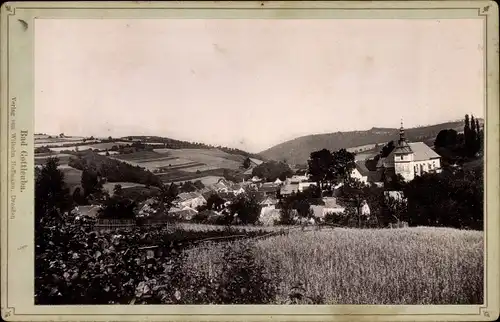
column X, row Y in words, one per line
column 457, row 147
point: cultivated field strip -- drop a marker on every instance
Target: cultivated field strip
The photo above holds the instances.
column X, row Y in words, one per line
column 363, row 266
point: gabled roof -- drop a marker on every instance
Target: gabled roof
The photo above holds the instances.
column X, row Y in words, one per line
column 361, row 167
column 402, row 148
column 289, row 188
column 422, row 151
column 249, row 171
column 224, row 182
column 269, row 200
column 256, row 161
column 188, row 196
column 273, row 188
column 330, row 202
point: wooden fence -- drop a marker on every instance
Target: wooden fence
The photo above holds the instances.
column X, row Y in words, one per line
column 113, row 224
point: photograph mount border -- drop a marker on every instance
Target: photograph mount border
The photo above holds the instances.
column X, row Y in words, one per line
column 8, row 310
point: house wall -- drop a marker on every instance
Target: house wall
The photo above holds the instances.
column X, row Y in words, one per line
column 421, row 167
column 403, row 165
column 357, row 175
column 194, row 203
column 305, row 185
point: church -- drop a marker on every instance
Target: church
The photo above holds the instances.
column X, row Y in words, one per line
column 409, row 159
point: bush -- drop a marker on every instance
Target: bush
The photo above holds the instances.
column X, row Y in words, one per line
column 447, row 200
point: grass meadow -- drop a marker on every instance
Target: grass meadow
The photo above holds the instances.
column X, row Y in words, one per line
column 357, row 266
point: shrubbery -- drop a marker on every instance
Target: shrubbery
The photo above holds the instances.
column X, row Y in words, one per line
column 114, row 170
column 75, row 265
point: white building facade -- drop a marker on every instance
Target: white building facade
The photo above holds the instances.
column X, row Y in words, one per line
column 412, row 159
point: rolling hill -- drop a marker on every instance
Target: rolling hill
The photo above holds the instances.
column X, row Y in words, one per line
column 297, row 151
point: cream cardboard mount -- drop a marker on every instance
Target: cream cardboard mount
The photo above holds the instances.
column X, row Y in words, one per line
column 20, row 23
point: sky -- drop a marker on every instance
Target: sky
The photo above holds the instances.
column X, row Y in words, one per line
column 252, row 84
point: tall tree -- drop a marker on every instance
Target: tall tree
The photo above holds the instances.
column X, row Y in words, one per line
column 446, row 138
column 247, row 209
column 467, row 134
column 118, row 190
column 90, row 181
column 343, row 164
column 247, row 163
column 166, row 197
column 51, row 194
column 320, row 167
column 474, row 137
column 387, row 149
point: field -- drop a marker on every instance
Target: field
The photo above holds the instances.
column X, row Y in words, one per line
column 110, row 186
column 350, row 266
column 204, row 228
column 176, row 165
column 72, row 176
column 207, row 181
column 63, row 158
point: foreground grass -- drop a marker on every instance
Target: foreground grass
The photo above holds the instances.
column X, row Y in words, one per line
column 351, row 266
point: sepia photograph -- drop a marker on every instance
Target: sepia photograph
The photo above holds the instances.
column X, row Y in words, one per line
column 274, row 161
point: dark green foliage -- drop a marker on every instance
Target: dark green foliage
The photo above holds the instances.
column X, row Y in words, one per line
column 327, row 168
column 42, row 149
column 51, row 195
column 79, row 197
column 188, row 186
column 447, row 199
column 90, row 182
column 215, row 202
column 321, row 167
column 198, row 184
column 232, row 175
column 118, row 207
column 247, row 163
column 247, row 209
column 446, row 138
column 114, row 170
column 343, row 164
column 460, row 148
column 118, row 190
column 387, row 149
column 75, row 265
column 299, row 203
column 272, row 170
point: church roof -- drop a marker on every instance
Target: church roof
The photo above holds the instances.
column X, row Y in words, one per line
column 422, row 151
column 403, row 148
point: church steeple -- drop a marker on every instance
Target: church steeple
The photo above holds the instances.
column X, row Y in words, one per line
column 402, row 138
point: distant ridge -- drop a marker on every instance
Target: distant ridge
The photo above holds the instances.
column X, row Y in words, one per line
column 297, row 151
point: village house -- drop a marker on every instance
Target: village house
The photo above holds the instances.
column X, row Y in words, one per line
column 269, row 202
column 190, row 199
column 288, row 189
column 238, row 189
column 269, row 189
column 330, row 207
column 256, row 179
column 305, row 185
column 410, row 159
column 184, row 213
column 364, row 175
column 296, row 179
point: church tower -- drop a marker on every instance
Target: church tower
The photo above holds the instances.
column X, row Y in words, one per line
column 403, row 157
